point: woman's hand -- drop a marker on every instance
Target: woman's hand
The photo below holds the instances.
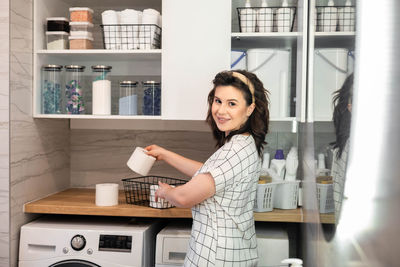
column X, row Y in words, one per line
column 156, row 151
column 162, row 190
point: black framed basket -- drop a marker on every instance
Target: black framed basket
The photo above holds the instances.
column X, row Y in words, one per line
column 137, row 189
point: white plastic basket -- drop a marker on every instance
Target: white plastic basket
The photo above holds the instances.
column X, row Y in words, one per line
column 286, row 195
column 265, row 197
column 325, row 198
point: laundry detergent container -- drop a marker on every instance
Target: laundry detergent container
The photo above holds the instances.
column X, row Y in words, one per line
column 330, row 71
column 172, row 243
column 272, row 67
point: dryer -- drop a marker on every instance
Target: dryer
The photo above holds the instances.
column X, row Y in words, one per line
column 81, row 241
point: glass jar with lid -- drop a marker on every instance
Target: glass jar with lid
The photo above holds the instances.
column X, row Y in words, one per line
column 101, row 90
column 128, row 98
column 74, row 102
column 151, row 98
column 51, row 95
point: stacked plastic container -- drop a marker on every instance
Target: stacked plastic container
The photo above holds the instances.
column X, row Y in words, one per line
column 57, row 32
column 81, row 28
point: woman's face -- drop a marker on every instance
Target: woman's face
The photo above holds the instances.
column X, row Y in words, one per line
column 229, row 109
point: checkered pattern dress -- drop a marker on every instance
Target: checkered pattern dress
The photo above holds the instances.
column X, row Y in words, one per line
column 338, row 173
column 223, row 232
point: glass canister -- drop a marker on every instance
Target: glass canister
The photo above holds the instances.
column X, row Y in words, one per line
column 101, row 90
column 151, row 98
column 128, row 98
column 74, row 103
column 51, row 95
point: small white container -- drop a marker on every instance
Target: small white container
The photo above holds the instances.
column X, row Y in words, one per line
column 57, row 40
column 325, row 198
column 286, row 195
column 265, row 197
column 80, row 26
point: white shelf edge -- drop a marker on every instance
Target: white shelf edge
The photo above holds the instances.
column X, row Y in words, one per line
column 98, row 51
column 266, row 34
column 331, row 34
column 96, row 117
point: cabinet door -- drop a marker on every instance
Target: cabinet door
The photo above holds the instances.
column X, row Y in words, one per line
column 195, row 47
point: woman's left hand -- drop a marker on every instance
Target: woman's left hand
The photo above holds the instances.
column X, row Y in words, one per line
column 162, row 190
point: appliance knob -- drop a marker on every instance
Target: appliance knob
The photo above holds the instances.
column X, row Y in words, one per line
column 78, row 242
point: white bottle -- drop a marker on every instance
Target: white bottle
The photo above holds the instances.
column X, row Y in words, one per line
column 277, row 169
column 292, row 162
column 329, row 17
column 248, row 18
column 265, row 164
column 293, row 262
column 346, row 16
column 265, row 18
column 284, row 17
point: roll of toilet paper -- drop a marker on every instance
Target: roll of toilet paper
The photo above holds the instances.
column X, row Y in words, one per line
column 161, row 203
column 106, row 194
column 140, row 162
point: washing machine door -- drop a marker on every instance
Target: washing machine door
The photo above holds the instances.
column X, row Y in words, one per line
column 74, row 263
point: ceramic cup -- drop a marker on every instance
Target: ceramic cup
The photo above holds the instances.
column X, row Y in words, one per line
column 140, row 162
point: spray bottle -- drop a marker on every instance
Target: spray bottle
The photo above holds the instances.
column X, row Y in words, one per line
column 284, row 17
column 248, row 18
column 292, row 162
column 329, row 17
column 265, row 18
column 346, row 17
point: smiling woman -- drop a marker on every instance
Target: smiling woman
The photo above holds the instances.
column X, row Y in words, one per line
column 222, row 191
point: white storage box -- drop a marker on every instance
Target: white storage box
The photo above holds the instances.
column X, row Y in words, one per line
column 172, row 244
column 272, row 245
column 265, row 197
column 325, row 198
column 286, row 195
column 238, row 60
column 272, row 67
column 330, row 71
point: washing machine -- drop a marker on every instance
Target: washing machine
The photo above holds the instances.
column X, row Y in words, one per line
column 172, row 244
column 81, row 241
column 272, row 245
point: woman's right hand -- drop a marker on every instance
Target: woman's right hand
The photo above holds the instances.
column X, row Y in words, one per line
column 156, row 151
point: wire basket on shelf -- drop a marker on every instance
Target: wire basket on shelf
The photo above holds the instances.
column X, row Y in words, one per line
column 266, row 19
column 335, row 18
column 137, row 190
column 131, row 36
column 325, row 198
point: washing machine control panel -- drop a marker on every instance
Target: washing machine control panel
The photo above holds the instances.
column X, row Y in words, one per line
column 78, row 242
column 120, row 243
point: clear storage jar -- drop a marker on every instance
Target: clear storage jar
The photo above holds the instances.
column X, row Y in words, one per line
column 151, row 98
column 51, row 95
column 127, row 104
column 57, row 24
column 57, row 40
column 101, row 90
column 74, row 102
column 81, row 14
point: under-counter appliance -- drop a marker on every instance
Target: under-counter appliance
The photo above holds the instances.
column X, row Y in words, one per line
column 82, row 241
column 272, row 245
column 172, row 244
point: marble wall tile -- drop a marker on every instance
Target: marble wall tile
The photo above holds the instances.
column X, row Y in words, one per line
column 101, row 156
column 39, row 159
column 4, row 136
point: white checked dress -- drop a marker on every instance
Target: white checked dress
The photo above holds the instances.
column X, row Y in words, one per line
column 223, row 232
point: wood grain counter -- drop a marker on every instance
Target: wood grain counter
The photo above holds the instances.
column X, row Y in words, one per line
column 80, row 201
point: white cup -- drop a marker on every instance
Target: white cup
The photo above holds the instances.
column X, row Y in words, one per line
column 140, row 162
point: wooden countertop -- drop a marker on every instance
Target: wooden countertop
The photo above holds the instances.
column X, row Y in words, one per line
column 81, row 201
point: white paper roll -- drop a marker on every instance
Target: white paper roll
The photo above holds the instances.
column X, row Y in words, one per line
column 140, row 162
column 106, row 194
column 161, row 203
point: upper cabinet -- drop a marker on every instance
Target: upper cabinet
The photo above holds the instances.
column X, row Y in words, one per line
column 269, row 38
column 331, row 53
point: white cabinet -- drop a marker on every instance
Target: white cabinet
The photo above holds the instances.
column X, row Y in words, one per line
column 196, row 46
column 287, row 85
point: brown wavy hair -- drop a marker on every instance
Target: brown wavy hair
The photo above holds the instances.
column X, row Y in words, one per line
column 258, row 122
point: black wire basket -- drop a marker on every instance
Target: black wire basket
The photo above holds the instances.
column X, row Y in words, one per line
column 335, row 18
column 137, row 190
column 266, row 19
column 131, row 36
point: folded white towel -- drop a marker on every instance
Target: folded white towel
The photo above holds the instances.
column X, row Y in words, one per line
column 130, row 16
